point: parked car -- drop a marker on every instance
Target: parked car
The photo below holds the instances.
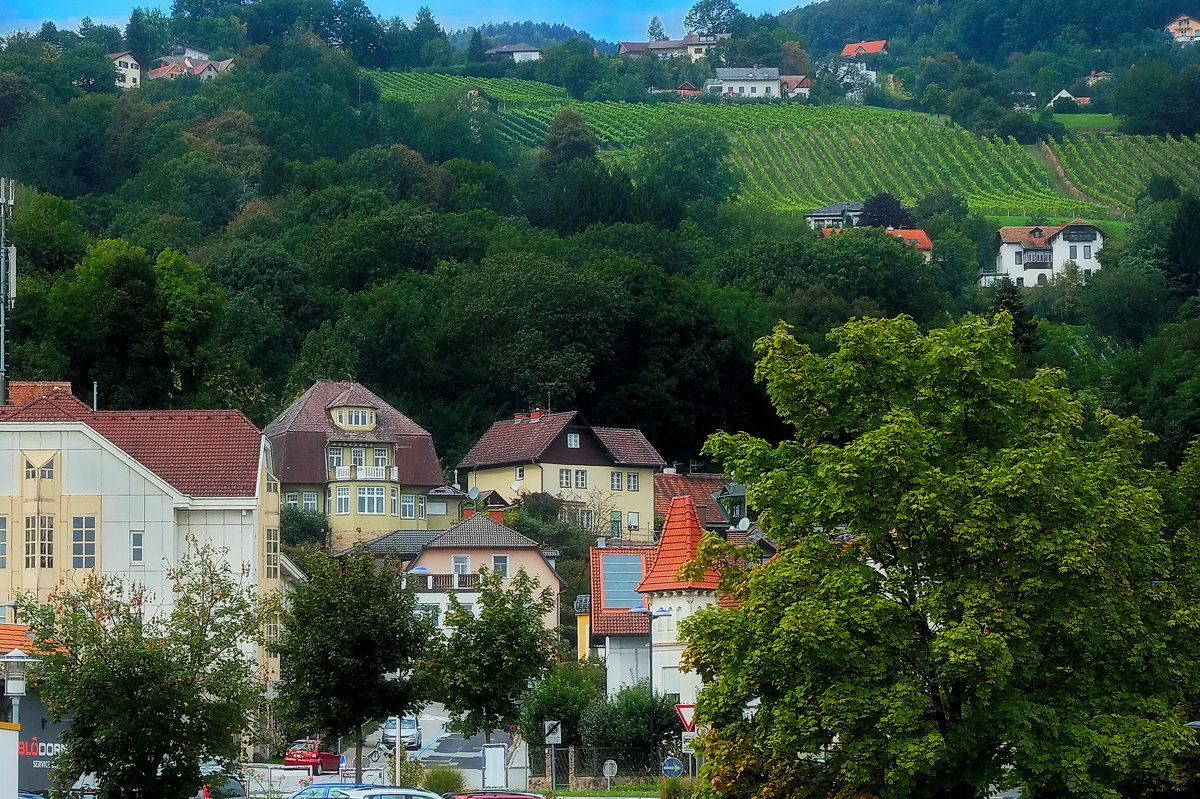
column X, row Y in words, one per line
column 410, row 732
column 494, row 794
column 311, row 752
column 217, row 785
column 390, row 792
column 329, row 790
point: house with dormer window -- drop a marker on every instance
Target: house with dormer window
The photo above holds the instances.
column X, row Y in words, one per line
column 343, row 451
column 603, row 475
column 1033, row 255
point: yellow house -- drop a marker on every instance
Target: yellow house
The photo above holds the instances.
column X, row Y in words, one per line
column 604, row 475
column 343, row 451
column 1184, row 28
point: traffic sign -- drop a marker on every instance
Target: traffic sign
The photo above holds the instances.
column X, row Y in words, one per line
column 553, row 732
column 610, row 768
column 687, row 714
column 686, row 744
column 672, row 767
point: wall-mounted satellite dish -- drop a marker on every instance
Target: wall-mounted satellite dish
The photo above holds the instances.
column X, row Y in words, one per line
column 744, row 524
column 516, row 486
column 473, row 493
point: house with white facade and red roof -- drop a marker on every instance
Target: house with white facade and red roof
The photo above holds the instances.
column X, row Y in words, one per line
column 603, row 475
column 123, row 492
column 1033, row 255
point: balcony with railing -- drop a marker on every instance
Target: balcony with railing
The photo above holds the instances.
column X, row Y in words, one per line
column 456, row 581
column 364, row 473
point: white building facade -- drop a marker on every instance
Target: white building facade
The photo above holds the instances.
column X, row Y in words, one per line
column 1035, row 255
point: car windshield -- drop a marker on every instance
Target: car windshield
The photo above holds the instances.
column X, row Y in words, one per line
column 302, row 746
column 409, row 723
column 390, row 724
column 224, row 788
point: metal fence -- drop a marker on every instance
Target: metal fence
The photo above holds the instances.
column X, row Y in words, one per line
column 630, row 762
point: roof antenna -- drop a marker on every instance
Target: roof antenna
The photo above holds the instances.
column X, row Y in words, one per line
column 549, row 387
column 95, row 393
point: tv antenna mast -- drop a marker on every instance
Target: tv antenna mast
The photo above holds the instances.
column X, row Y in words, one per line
column 549, row 387
column 8, row 274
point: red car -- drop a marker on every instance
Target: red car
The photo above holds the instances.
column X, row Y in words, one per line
column 310, row 752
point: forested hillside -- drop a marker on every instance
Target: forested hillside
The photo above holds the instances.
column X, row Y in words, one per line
column 467, row 249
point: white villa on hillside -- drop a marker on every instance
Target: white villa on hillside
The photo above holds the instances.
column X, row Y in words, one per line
column 1035, row 255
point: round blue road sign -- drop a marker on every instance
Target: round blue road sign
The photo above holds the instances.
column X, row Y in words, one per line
column 672, row 767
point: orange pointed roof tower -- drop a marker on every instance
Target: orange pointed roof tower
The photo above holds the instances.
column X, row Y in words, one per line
column 679, row 543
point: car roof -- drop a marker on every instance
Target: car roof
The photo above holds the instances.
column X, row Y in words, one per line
column 330, row 785
column 366, row 792
column 496, row 794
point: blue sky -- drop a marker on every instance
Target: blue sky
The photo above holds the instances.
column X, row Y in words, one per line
column 615, row 20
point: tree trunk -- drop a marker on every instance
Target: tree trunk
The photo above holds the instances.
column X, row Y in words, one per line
column 487, row 736
column 358, row 754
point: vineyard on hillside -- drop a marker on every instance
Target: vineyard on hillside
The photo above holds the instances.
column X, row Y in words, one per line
column 802, row 157
column 416, row 87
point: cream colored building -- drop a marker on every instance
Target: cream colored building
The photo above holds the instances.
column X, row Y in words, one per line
column 341, row 450
column 604, row 475
column 129, row 71
column 123, row 493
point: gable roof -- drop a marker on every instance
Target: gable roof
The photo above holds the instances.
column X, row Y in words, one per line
column 301, row 433
column 633, row 47
column 793, row 82
column 854, row 49
column 916, row 237
column 520, row 47
column 702, row 488
column 525, row 439
column 481, row 530
column 743, row 73
column 615, row 621
column 679, row 543
column 115, row 56
column 199, row 453
column 837, row 209
column 1023, row 234
column 403, row 544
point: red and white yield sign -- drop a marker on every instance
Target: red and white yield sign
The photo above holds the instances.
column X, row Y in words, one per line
column 687, row 714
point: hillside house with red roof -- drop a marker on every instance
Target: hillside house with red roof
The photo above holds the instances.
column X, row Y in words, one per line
column 705, row 490
column 864, row 49
column 914, row 238
column 341, row 450
column 693, row 45
column 1033, row 255
column 202, row 68
column 129, row 71
column 1184, row 29
column 604, row 475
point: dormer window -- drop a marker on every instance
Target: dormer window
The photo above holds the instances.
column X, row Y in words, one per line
column 355, row 417
column 1036, row 233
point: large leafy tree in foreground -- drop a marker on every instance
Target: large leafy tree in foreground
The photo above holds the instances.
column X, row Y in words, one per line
column 968, row 592
column 352, row 647
column 151, row 691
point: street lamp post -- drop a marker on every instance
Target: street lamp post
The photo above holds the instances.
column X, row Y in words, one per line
column 13, row 666
column 651, row 615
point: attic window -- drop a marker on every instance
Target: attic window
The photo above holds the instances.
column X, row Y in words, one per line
column 572, row 440
column 355, row 417
column 1036, row 233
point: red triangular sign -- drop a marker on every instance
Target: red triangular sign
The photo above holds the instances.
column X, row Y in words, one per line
column 687, row 714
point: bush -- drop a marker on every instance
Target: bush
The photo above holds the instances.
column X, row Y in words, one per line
column 404, row 771
column 444, row 779
column 676, row 788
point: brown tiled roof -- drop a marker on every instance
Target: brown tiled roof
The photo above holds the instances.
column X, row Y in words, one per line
column 23, row 391
column 199, row 453
column 480, row 530
column 628, row 446
column 1023, row 235
column 633, row 47
column 525, row 439
column 700, row 487
column 301, row 433
column 678, row 544
column 793, row 82
column 615, row 621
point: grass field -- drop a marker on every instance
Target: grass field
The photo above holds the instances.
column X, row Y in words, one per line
column 1087, row 122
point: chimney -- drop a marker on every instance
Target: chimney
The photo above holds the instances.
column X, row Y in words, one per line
column 497, row 516
column 535, row 414
column 669, row 470
column 601, row 542
column 468, row 513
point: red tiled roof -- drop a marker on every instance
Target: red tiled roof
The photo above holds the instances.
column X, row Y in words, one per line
column 1022, row 234
column 629, row 446
column 615, row 621
column 700, row 487
column 525, row 439
column 199, row 453
column 679, row 543
column 13, row 636
column 793, row 82
column 633, row 47
column 300, row 434
column 23, row 391
column 867, row 48
column 917, row 238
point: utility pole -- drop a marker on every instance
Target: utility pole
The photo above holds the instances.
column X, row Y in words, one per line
column 8, row 272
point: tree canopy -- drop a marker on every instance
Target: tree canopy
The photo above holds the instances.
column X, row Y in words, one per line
column 969, row 590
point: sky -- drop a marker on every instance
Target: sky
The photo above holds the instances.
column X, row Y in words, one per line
column 614, row 20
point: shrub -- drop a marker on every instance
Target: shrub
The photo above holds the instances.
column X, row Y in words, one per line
column 444, row 779
column 404, row 771
column 676, row 788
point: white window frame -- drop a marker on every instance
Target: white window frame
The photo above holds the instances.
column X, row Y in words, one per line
column 408, row 506
column 632, row 482
column 271, row 570
column 585, row 519
column 420, row 506
column 460, row 564
column 500, row 564
column 581, row 479
column 616, row 481
column 83, row 556
column 333, row 456
column 395, row 502
column 572, row 441
column 633, row 519
column 358, row 456
column 381, row 457
column 370, row 500
column 343, row 500
column 564, row 478
column 3, row 542
column 310, row 501
column 518, row 472
column 137, row 546
column 291, row 499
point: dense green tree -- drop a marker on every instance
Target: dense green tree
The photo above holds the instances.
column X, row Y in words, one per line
column 870, row 263
column 563, row 694
column 689, row 159
column 655, row 31
column 1010, row 300
column 128, row 670
column 190, row 305
column 325, row 355
column 148, row 35
column 624, row 721
column 569, row 137
column 885, row 210
column 476, row 49
column 397, row 171
column 1127, row 301
column 1182, row 249
column 493, row 651
column 47, row 233
column 995, row 566
column 17, row 93
column 711, row 16
column 300, row 528
column 107, row 318
column 351, row 648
